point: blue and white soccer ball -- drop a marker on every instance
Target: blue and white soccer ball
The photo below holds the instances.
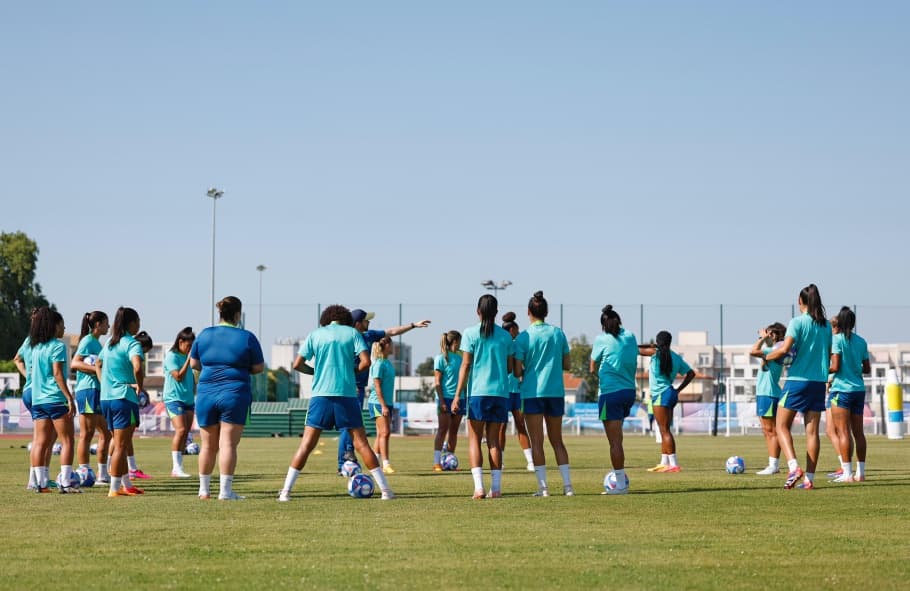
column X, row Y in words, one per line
column 350, row 469
column 192, row 449
column 144, row 399
column 449, row 462
column 90, row 359
column 611, row 483
column 787, row 359
column 360, row 486
column 73, row 481
column 735, row 465
column 86, row 477
column 58, row 447
column 93, row 449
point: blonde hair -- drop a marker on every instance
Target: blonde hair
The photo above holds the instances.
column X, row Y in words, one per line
column 376, row 351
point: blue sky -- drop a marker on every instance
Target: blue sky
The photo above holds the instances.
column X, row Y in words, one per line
column 678, row 155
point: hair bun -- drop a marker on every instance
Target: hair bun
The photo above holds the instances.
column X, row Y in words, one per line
column 607, row 309
column 538, row 295
column 508, row 317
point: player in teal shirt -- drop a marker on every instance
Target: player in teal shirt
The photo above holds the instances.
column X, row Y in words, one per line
column 515, row 402
column 484, row 376
column 665, row 366
column 88, row 395
column 541, row 355
column 338, row 351
column 446, row 367
column 179, row 396
column 614, row 357
column 849, row 361
column 767, row 392
column 23, row 362
column 382, row 392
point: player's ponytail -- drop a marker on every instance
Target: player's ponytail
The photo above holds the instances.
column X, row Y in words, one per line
column 846, row 322
column 91, row 320
column 487, row 308
column 123, row 318
column 610, row 321
column 810, row 297
column 448, row 340
column 663, row 353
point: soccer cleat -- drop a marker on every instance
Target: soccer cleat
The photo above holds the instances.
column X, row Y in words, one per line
column 542, row 492
column 204, row 496
column 793, row 477
column 658, row 468
column 284, row 496
column 387, row 495
column 52, row 484
column 495, row 494
column 672, row 469
column 480, row 494
column 437, row 468
column 388, row 469
column 568, row 491
column 139, row 474
column 131, row 491
column 616, row 491
column 70, row 490
column 42, row 489
column 842, row 479
column 179, row 474
column 116, row 493
column 837, row 473
column 231, row 496
column 530, row 467
column 859, row 478
column 806, row 485
column 102, row 480
column 768, row 471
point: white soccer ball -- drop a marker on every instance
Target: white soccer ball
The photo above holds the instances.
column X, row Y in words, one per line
column 93, row 449
column 735, row 465
column 360, row 486
column 192, row 449
column 350, row 469
column 58, row 447
column 90, row 359
column 611, row 483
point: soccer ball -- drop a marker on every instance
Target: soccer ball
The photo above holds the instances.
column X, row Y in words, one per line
column 73, row 481
column 735, row 465
column 86, row 477
column 360, row 486
column 28, row 447
column 787, row 359
column 610, row 482
column 143, row 399
column 90, row 359
column 350, row 469
column 93, row 449
column 192, row 449
column 449, row 462
column 58, row 447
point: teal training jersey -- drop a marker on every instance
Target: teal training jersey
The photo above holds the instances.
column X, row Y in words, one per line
column 117, row 374
column 382, row 370
column 813, row 349
column 44, row 387
column 659, row 382
column 88, row 348
column 335, row 348
column 490, row 364
column 768, row 381
column 25, row 354
column 541, row 348
column 174, row 390
column 448, row 366
column 852, row 351
column 617, row 359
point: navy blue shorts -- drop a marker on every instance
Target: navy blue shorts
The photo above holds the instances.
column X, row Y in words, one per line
column 668, row 398
column 854, row 401
column 214, row 409
column 88, row 401
column 334, row 412
column 803, row 396
column 376, row 410
column 27, row 399
column 550, row 407
column 175, row 408
column 615, row 406
column 489, row 409
column 766, row 406
column 120, row 413
column 51, row 411
column 461, row 409
column 515, row 401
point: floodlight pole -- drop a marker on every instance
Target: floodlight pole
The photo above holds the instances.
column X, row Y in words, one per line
column 215, row 195
column 260, row 268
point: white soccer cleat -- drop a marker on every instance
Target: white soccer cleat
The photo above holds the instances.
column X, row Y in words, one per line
column 284, row 496
column 568, row 491
column 231, row 496
column 387, row 495
column 180, row 474
column 530, row 467
column 768, row 471
column 542, row 492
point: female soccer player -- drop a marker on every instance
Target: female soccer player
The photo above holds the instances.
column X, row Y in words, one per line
column 53, row 406
column 830, row 433
column 849, row 361
column 88, row 394
column 508, row 323
column 484, row 375
column 338, row 350
column 614, row 356
column 541, row 355
column 767, row 392
column 226, row 356
column 665, row 366
column 804, row 388
column 446, row 366
column 382, row 389
column 179, row 396
column 119, row 368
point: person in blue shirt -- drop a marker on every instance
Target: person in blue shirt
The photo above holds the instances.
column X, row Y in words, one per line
column 484, row 378
column 541, row 355
column 88, row 394
column 767, row 392
column 614, row 357
column 226, row 356
column 804, row 388
column 180, row 396
column 361, row 321
column 446, row 367
column 521, row 428
column 849, row 361
column 382, row 390
column 53, row 405
column 665, row 366
column 334, row 347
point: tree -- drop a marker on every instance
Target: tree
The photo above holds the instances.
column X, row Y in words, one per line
column 19, row 293
column 580, row 366
column 427, row 392
column 425, row 367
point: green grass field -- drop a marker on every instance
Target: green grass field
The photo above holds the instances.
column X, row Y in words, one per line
column 699, row 529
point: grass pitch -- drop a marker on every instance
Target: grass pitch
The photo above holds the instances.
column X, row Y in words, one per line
column 698, row 529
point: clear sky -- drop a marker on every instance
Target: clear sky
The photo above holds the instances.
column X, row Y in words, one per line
column 672, row 154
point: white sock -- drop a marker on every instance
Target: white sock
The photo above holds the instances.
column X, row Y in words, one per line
column 83, row 466
column 861, row 469
column 131, row 462
column 620, row 477
column 847, row 468
column 810, row 476
column 385, row 462
column 840, row 459
column 290, row 479
column 477, row 474
column 226, row 483
column 540, row 472
column 205, row 483
column 773, row 463
column 44, row 475
column 437, row 457
column 65, row 473
column 125, row 479
column 177, row 459
column 379, row 458
column 380, row 479
column 564, row 472
column 116, row 483
column 672, row 458
column 658, row 437
column 792, row 465
column 527, row 452
column 664, row 459
column 496, row 484
column 102, row 471
column 32, row 478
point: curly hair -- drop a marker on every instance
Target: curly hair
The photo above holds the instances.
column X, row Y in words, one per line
column 336, row 313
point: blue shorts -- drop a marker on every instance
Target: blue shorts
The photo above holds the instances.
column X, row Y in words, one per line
column 489, row 409
column 461, row 409
column 334, row 412
column 615, row 406
column 376, row 409
column 27, row 399
column 175, row 408
column 803, row 396
column 668, row 398
column 88, row 401
column 515, row 401
column 51, row 411
column 854, row 401
column 120, row 413
column 212, row 409
column 551, row 407
column 766, row 406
